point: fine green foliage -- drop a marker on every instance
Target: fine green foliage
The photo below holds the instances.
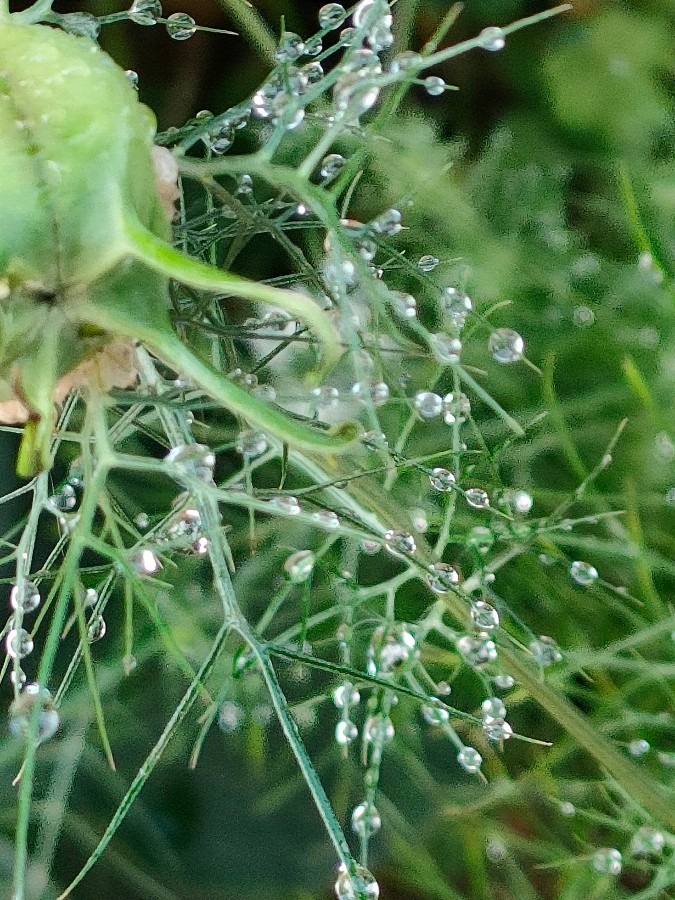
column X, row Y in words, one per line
column 436, row 663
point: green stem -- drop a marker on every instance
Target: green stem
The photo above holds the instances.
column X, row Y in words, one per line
column 633, row 782
column 153, row 757
column 253, row 26
column 168, row 347
column 163, row 258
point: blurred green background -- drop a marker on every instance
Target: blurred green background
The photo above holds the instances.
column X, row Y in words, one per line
column 533, row 208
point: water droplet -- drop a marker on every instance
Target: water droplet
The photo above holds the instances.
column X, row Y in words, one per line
column 196, row 460
column 388, row 222
column 607, row 861
column 583, row 573
column 520, row 501
column 370, row 548
column 470, row 760
column 220, row 138
column 90, row 598
column 481, row 539
column 244, row 188
column 180, row 26
column 145, row 12
column 442, row 479
column 638, row 747
column 493, row 710
column 326, row 518
column 362, row 887
column 391, row 649
column 446, row 349
column 27, row 597
column 434, row 86
column 378, row 729
column 485, row 617
column 492, row 38
column 545, row 651
column 331, row 166
column 647, row 842
column 142, row 520
column 477, row 652
column 63, row 500
column 504, row 682
column 230, row 717
column 498, row 731
column 434, row 714
column 18, row 643
column 146, row 562
column 299, row 566
column 346, row 695
column 21, row 711
column 442, row 578
column 583, row 317
column 456, row 408
column 399, row 542
column 366, row 820
column 97, row 629
column 404, row 304
column 346, row 732
column 457, row 305
column 567, row 808
column 287, row 504
column 326, row 396
column 405, row 61
column 132, row 78
column 82, row 24
column 428, row 404
column 251, row 443
column 291, row 47
column 331, row 15
column 506, row 345
column 427, row 263
column 354, row 95
column 477, row 498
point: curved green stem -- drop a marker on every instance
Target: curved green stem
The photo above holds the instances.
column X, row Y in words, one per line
column 163, row 258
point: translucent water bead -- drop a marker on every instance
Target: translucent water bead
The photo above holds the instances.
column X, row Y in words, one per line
column 607, row 861
column 399, row 542
column 446, row 348
column 647, row 842
column 427, row 263
column 196, row 460
column 180, row 26
column 506, row 345
column 26, row 598
column 583, row 573
column 291, row 47
column 484, row 616
column 434, row 86
column 477, row 652
column 145, row 12
column 441, row 479
column 251, row 443
column 391, row 648
column 477, row 498
column 346, row 733
column 457, row 305
column 18, row 643
column 331, row 166
column 331, row 15
column 470, row 760
column 299, row 566
column 442, row 578
column 545, row 651
column 362, row 887
column 366, row 820
column 21, row 712
column 428, row 404
column 492, row 38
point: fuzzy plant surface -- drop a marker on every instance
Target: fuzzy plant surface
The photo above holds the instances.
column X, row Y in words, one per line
column 380, row 625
